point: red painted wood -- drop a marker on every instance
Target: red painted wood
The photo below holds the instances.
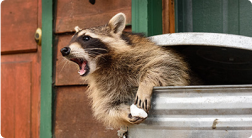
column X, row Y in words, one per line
column 19, row 21
column 16, row 92
column 9, row 89
column 71, row 13
column 20, row 70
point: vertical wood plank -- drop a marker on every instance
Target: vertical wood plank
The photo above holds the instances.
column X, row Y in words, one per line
column 17, row 99
column 172, row 16
column 23, row 79
column 46, row 70
column 139, row 16
column 147, row 17
column 168, row 16
column 7, row 102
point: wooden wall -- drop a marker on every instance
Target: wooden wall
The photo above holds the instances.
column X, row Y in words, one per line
column 73, row 116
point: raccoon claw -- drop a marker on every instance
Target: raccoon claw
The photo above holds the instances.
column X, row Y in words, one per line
column 122, row 133
column 136, row 119
column 144, row 104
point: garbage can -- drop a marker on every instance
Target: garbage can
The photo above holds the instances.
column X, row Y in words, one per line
column 222, row 108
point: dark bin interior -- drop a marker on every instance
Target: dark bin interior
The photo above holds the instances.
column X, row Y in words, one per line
column 219, row 65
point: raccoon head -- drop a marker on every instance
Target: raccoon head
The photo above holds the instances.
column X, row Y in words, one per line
column 88, row 46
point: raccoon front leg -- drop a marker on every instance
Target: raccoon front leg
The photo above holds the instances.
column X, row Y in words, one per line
column 143, row 96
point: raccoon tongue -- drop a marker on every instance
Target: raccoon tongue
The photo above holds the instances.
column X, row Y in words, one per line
column 82, row 69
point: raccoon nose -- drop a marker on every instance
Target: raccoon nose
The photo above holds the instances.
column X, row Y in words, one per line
column 65, row 51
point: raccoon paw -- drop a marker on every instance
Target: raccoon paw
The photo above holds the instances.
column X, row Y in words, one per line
column 135, row 119
column 143, row 102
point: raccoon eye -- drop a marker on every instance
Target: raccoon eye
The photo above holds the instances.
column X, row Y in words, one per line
column 86, row 38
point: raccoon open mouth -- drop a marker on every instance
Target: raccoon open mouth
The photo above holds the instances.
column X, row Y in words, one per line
column 84, row 68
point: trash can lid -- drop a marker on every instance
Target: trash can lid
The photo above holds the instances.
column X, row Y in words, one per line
column 204, row 39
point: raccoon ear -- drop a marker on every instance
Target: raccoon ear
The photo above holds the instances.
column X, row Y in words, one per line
column 77, row 28
column 117, row 23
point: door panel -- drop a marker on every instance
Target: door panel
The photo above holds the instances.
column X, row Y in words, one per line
column 20, row 70
column 20, row 91
column 16, row 97
column 19, row 20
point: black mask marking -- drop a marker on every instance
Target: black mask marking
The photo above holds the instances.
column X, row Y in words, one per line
column 93, row 46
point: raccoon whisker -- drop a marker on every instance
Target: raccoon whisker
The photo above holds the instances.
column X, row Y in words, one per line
column 91, row 49
column 62, row 60
column 103, row 58
column 95, row 56
column 66, row 62
column 92, row 56
column 94, row 52
column 76, row 52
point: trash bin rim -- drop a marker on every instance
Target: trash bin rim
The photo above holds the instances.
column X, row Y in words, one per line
column 203, row 39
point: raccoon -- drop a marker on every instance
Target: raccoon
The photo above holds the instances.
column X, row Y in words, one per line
column 114, row 62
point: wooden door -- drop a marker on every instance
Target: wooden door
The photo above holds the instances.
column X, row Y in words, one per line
column 20, row 68
column 73, row 115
